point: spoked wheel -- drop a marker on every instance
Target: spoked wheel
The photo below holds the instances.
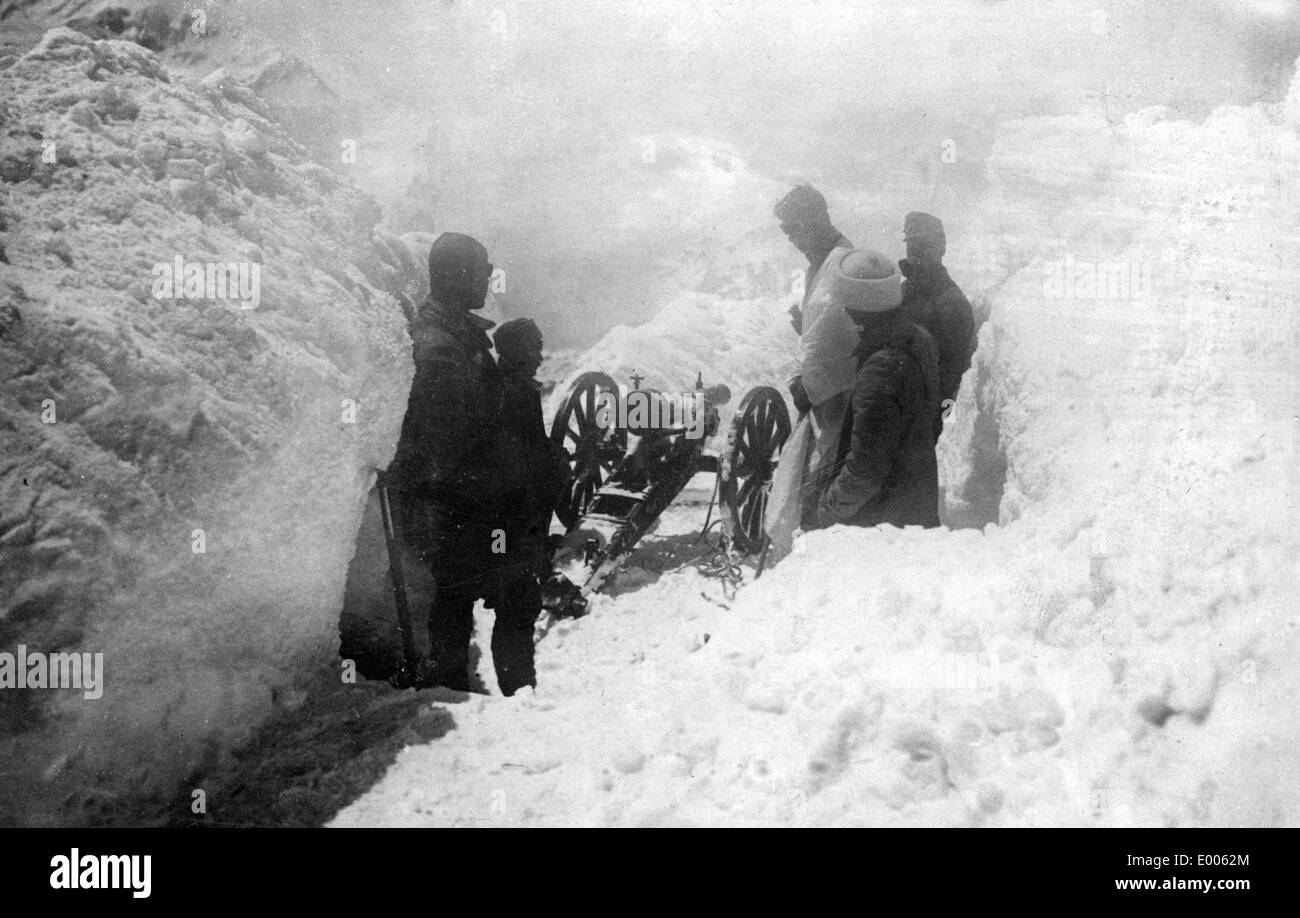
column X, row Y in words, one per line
column 758, row 431
column 593, row 450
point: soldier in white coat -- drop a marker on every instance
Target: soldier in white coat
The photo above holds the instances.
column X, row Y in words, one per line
column 854, row 278
column 826, row 336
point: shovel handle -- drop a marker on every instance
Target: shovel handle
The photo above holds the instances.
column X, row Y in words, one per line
column 397, row 578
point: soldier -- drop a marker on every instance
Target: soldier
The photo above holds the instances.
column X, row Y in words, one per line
column 540, row 470
column 826, row 336
column 933, row 301
column 448, row 496
column 889, row 474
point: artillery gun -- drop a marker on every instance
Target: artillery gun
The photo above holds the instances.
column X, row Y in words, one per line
column 628, row 465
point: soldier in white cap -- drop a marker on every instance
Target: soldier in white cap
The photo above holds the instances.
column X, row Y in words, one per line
column 889, row 474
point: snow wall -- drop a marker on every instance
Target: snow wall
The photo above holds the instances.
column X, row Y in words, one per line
column 181, row 480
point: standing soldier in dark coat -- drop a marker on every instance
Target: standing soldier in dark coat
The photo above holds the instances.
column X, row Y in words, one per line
column 449, row 496
column 539, row 470
column 890, row 474
column 933, row 301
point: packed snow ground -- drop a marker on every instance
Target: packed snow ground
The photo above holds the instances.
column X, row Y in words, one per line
column 1120, row 649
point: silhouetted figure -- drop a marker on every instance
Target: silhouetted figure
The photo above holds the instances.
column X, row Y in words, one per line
column 450, row 498
column 540, row 470
column 933, row 301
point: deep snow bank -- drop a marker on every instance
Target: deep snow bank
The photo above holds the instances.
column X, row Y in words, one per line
column 1123, row 649
column 174, row 415
column 200, row 40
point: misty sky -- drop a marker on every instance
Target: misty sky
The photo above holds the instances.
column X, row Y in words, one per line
column 525, row 123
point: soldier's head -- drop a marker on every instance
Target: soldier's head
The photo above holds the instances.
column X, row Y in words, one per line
column 806, row 221
column 459, row 271
column 867, row 284
column 519, row 346
column 924, row 237
column 876, row 328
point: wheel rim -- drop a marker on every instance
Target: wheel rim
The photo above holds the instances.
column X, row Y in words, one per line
column 758, row 431
column 592, row 455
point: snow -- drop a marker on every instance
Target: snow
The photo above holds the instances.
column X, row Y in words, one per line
column 173, row 416
column 1105, row 634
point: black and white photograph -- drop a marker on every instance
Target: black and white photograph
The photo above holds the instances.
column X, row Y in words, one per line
column 650, row 413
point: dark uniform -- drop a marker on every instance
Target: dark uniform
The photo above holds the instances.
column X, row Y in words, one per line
column 937, row 304
column 450, row 490
column 890, row 475
column 537, row 471
column 933, row 301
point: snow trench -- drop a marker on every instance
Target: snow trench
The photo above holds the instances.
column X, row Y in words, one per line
column 1119, row 649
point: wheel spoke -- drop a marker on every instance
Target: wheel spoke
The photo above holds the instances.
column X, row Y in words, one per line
column 740, row 457
column 578, row 412
column 749, row 437
column 765, row 426
column 747, row 516
column 589, row 405
column 747, row 489
column 750, row 418
column 762, row 513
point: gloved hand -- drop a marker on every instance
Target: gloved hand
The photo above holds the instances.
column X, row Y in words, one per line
column 796, row 319
column 802, row 403
column 845, row 498
column 818, row 521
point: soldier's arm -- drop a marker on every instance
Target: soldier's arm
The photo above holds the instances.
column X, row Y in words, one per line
column 827, row 366
column 956, row 330
column 877, row 431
